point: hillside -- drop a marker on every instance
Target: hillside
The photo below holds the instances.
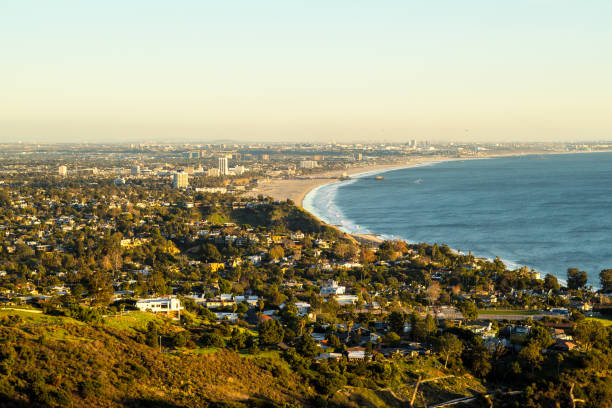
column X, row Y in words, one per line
column 61, row 362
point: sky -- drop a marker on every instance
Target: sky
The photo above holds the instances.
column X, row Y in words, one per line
column 305, row 71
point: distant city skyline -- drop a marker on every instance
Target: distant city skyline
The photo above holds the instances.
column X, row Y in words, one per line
column 288, row 71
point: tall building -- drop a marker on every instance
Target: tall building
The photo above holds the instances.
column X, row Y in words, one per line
column 62, row 171
column 223, row 169
column 308, row 164
column 180, row 180
column 135, row 170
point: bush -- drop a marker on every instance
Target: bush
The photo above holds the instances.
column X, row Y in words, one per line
column 212, row 340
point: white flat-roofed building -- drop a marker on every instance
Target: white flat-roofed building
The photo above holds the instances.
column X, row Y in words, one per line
column 62, row 171
column 170, row 306
column 308, row 164
column 332, row 288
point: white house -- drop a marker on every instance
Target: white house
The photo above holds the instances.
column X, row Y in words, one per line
column 355, row 353
column 332, row 288
column 170, row 306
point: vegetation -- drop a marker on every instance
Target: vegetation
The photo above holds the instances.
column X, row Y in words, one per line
column 279, row 309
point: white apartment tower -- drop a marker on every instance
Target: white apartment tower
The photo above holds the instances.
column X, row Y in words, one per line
column 62, row 171
column 223, row 168
column 180, row 180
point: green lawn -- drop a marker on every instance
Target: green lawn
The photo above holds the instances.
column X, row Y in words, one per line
column 604, row 321
column 204, row 350
column 507, row 312
column 132, row 321
column 38, row 318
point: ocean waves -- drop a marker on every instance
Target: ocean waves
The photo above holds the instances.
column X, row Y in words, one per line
column 547, row 214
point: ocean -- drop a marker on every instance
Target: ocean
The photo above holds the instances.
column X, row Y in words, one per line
column 548, row 212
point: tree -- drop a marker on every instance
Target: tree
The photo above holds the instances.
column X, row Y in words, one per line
column 334, row 341
column 433, row 292
column 576, row 279
column 5, row 199
column 605, row 278
column 212, row 340
column 476, row 357
column 277, row 252
column 396, row 322
column 417, row 327
column 100, row 288
column 591, row 333
column 530, row 355
column 449, row 345
column 307, row 346
column 210, row 253
column 392, row 338
column 430, row 324
column 469, row 310
column 551, row 282
column 367, row 256
column 271, row 332
column 238, row 339
column 542, row 336
column 343, row 250
column 152, row 335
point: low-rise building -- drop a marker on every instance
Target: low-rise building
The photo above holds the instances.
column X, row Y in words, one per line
column 169, row 306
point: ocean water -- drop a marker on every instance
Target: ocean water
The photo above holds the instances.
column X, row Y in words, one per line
column 548, row 212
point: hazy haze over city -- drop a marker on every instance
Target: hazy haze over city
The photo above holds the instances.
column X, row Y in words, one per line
column 305, row 71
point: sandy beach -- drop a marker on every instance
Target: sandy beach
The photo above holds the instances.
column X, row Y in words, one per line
column 296, row 189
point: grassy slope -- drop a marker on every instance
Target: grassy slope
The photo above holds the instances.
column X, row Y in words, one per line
column 59, row 361
column 605, row 321
column 74, row 364
column 509, row 312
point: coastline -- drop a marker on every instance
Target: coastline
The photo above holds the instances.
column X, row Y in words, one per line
column 297, row 189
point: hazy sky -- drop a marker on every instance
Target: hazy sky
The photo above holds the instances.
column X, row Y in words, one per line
column 310, row 70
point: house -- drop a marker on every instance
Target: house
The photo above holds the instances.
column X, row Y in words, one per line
column 302, row 308
column 318, row 336
column 560, row 311
column 169, row 306
column 356, row 353
column 332, row 288
column 564, row 345
column 328, row 356
column 232, row 317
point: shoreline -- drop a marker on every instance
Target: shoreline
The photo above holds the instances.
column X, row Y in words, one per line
column 297, row 189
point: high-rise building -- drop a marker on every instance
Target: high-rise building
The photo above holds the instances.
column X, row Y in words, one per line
column 180, row 180
column 135, row 170
column 62, row 171
column 308, row 164
column 223, row 168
